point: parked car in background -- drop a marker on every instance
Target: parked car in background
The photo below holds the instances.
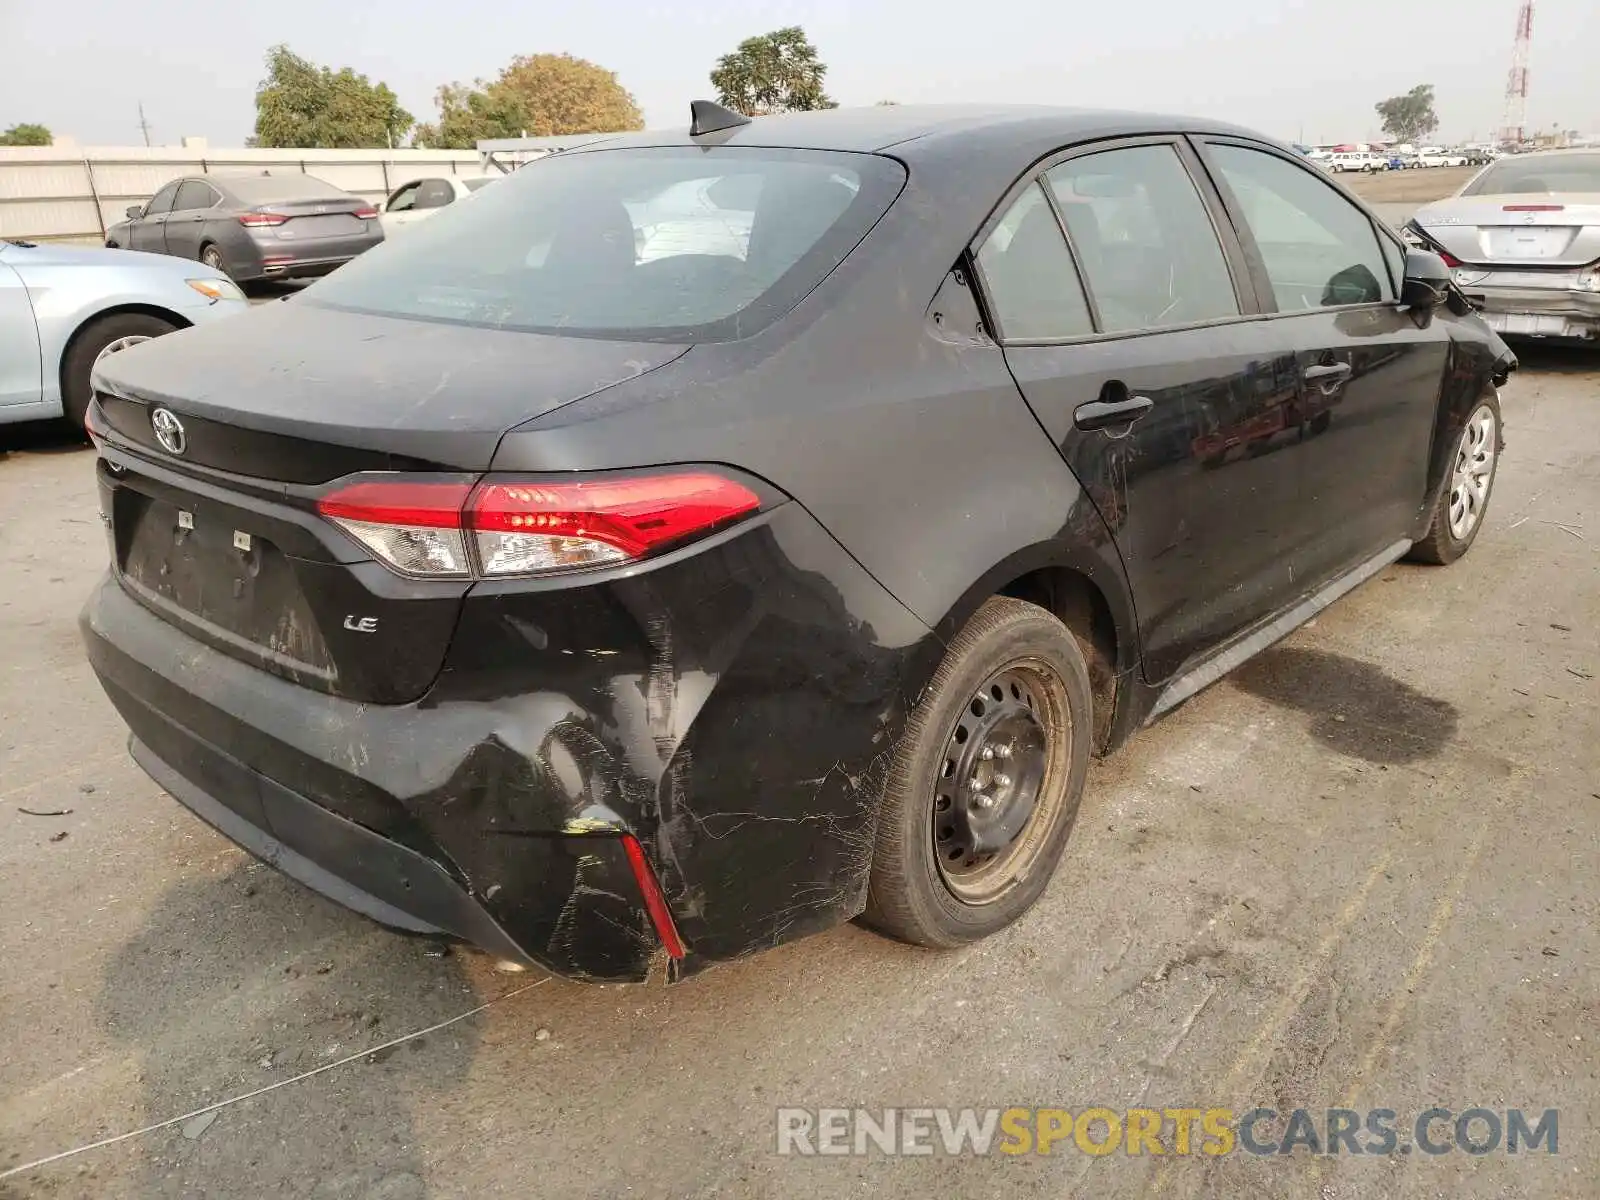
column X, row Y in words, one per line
column 1359, row 160
column 421, row 198
column 609, row 608
column 1523, row 237
column 1433, row 156
column 65, row 308
column 1403, row 160
column 253, row 227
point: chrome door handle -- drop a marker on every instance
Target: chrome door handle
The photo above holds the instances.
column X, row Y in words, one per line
column 1101, row 414
column 1327, row 371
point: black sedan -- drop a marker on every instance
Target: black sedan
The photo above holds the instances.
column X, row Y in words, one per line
column 703, row 539
column 253, row 227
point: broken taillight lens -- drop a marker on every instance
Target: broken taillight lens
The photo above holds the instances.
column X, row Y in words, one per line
column 496, row 528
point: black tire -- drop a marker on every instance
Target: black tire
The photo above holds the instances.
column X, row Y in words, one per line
column 211, row 255
column 86, row 346
column 1442, row 545
column 911, row 895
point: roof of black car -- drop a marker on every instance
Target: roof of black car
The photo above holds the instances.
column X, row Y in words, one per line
column 885, row 125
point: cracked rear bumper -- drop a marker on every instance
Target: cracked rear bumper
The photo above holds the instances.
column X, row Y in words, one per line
column 735, row 710
column 1538, row 312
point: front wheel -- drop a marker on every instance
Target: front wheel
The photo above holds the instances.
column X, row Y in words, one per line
column 986, row 780
column 1458, row 514
column 95, row 341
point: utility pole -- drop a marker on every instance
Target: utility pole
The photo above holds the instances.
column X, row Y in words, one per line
column 144, row 126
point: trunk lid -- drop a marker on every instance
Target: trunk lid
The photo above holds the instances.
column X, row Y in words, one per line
column 223, row 540
column 294, row 392
column 1517, row 228
column 315, row 219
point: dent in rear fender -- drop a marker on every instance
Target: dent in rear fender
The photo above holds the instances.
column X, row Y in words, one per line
column 736, row 709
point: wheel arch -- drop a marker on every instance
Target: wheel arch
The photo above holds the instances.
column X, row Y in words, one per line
column 178, row 321
column 1085, row 588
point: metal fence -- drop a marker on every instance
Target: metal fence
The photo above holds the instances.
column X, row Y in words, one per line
column 59, row 193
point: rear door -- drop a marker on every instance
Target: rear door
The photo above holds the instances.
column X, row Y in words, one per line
column 1132, row 340
column 20, row 372
column 1369, row 372
column 186, row 223
column 149, row 231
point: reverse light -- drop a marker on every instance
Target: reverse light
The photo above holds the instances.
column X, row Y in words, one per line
column 254, row 220
column 456, row 528
column 216, row 289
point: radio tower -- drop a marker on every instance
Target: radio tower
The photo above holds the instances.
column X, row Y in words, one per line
column 1517, row 82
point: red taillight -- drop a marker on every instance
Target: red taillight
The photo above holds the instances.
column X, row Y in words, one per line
column 254, row 220
column 420, row 527
column 1450, row 260
column 366, row 214
column 655, row 903
column 1534, row 208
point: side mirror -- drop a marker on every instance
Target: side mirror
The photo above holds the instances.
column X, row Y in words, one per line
column 1427, row 281
column 135, row 211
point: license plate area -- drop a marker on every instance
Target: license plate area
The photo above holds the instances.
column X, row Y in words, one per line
column 1533, row 241
column 197, row 568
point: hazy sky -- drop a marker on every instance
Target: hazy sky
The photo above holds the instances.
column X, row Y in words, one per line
column 1293, row 68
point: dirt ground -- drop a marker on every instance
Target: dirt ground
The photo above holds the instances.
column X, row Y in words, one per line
column 1409, row 187
column 1360, row 871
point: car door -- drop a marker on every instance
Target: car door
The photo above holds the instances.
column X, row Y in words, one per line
column 149, row 231
column 21, row 376
column 1133, row 341
column 186, row 224
column 1369, row 371
column 399, row 208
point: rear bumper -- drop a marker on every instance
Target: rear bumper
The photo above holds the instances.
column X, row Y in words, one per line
column 735, row 709
column 1538, row 312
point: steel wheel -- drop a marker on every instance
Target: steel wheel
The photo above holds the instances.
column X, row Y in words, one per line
column 1001, row 781
column 121, row 343
column 1473, row 474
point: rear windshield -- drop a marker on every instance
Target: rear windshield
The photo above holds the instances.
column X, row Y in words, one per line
column 270, row 189
column 643, row 244
column 1556, row 173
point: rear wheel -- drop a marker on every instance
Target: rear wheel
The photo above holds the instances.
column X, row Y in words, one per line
column 96, row 340
column 986, row 780
column 1458, row 515
column 212, row 257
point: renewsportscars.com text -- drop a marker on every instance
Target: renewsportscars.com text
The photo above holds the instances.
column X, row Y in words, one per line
column 1163, row 1131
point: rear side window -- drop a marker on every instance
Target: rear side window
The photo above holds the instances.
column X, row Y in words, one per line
column 1144, row 238
column 662, row 244
column 194, row 194
column 1319, row 249
column 1028, row 273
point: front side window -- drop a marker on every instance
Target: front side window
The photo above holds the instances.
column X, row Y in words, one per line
column 661, row 244
column 1318, row 249
column 162, row 201
column 1028, row 274
column 435, row 193
column 403, row 200
column 1143, row 236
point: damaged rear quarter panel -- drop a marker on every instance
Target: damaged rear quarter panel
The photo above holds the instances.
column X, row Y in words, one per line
column 736, row 709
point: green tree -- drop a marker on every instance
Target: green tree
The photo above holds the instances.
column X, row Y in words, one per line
column 1409, row 118
column 26, row 135
column 539, row 95
column 302, row 104
column 773, row 73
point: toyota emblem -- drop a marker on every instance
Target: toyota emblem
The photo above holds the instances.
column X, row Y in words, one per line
column 169, row 431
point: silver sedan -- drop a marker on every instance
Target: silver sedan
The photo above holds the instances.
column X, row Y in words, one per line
column 1523, row 238
column 62, row 308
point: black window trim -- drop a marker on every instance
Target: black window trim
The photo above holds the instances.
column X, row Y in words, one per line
column 216, row 196
column 1244, row 283
column 175, row 185
column 1252, row 251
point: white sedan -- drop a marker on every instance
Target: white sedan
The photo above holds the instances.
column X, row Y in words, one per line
column 421, row 198
column 1441, row 158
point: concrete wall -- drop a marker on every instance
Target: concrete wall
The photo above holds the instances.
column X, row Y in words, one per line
column 72, row 193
